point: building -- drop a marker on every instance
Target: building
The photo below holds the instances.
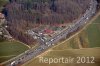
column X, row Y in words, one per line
column 2, row 18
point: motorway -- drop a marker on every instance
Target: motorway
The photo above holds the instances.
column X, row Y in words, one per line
column 46, row 44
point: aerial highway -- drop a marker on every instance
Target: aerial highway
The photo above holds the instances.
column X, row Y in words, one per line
column 46, row 44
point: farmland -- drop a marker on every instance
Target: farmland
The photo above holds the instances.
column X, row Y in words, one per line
column 93, row 32
column 68, row 53
column 10, row 49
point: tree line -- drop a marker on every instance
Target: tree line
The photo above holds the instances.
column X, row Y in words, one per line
column 24, row 14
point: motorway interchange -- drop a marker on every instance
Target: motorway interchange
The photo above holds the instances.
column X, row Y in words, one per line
column 45, row 44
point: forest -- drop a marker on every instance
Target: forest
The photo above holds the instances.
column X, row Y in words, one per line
column 22, row 15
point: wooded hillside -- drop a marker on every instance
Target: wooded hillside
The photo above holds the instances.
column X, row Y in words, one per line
column 23, row 14
column 46, row 11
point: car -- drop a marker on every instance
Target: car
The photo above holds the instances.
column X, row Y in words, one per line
column 87, row 18
column 42, row 39
column 46, row 43
column 12, row 63
column 53, row 44
column 45, row 38
column 35, row 37
column 49, row 44
column 85, row 22
column 40, row 33
column 43, row 48
column 52, row 39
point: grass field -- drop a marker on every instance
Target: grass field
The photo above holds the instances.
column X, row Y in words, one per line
column 10, row 49
column 68, row 53
column 93, row 32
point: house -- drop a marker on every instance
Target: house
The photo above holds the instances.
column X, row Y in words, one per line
column 2, row 16
column 48, row 31
column 8, row 36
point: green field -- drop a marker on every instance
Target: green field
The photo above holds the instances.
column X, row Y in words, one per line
column 10, row 49
column 93, row 32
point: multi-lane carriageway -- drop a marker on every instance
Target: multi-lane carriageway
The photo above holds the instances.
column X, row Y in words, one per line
column 32, row 53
